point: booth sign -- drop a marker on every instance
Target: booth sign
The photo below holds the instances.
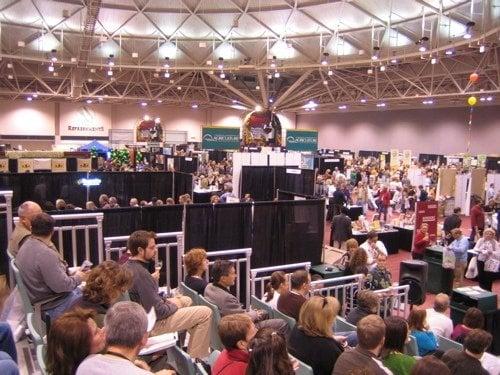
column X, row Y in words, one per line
column 25, row 165
column 220, row 138
column 58, row 165
column 302, row 140
column 84, row 165
column 4, row 165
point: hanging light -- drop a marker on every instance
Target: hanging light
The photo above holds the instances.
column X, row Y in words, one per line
column 423, row 44
column 382, row 68
column 51, row 67
column 324, row 60
column 469, row 29
column 273, row 63
column 434, row 61
column 369, row 71
column 449, row 52
column 111, row 61
column 276, row 74
column 330, row 72
column 376, row 53
column 167, row 67
column 220, row 65
column 53, row 56
column 482, row 48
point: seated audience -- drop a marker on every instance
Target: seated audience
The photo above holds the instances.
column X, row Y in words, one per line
column 173, row 314
column 312, row 340
column 44, row 273
column 488, row 258
column 60, row 205
column 217, row 292
column 103, row 201
column 372, row 246
column 368, row 303
column 473, row 319
column 72, row 338
column 105, row 284
column 133, row 202
column 214, row 199
column 396, row 335
column 426, row 339
column 379, row 277
column 126, row 326
column 235, row 333
column 468, row 361
column 371, row 334
column 277, row 285
column 268, row 354
column 438, row 321
column 26, row 212
column 358, row 263
column 430, row 365
column 291, row 302
column 421, row 242
column 90, row 205
column 169, row 201
column 196, row 263
column 113, row 202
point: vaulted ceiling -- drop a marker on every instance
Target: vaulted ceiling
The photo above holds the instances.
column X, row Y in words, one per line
column 280, row 54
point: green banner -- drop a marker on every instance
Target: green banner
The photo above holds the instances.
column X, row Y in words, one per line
column 220, row 138
column 302, row 140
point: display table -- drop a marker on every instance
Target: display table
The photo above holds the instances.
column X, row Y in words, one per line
column 203, row 196
column 405, row 236
column 354, row 212
column 390, row 238
column 327, row 271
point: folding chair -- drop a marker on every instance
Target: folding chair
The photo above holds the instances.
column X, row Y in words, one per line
column 304, row 369
column 215, row 342
column 411, row 347
column 290, row 321
column 187, row 291
column 259, row 305
column 445, row 344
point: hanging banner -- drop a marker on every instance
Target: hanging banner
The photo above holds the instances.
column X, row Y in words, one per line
column 84, row 165
column 426, row 212
column 220, row 138
column 407, row 158
column 59, row 165
column 25, row 165
column 302, row 140
column 394, row 159
column 382, row 161
column 4, row 165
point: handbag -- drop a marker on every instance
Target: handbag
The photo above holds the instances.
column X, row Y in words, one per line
column 472, row 270
column 492, row 265
column 448, row 259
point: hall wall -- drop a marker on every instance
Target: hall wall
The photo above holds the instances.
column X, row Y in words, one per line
column 437, row 130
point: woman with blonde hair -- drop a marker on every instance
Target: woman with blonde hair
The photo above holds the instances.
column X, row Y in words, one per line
column 488, row 258
column 312, row 340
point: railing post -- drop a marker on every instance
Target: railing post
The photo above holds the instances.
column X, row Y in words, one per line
column 100, row 237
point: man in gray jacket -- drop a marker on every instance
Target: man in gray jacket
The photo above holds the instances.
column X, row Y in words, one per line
column 43, row 272
column 172, row 314
column 224, row 276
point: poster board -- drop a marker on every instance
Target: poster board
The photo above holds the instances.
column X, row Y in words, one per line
column 478, row 181
column 58, row 165
column 394, row 163
column 25, row 165
column 446, row 184
column 4, row 165
column 426, row 212
column 84, row 165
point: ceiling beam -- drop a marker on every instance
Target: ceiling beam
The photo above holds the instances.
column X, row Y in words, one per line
column 263, row 88
column 292, row 88
column 234, row 90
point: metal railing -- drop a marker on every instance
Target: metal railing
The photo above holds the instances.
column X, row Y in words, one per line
column 6, row 208
column 267, row 271
column 247, row 252
column 161, row 246
column 394, row 301
column 342, row 288
column 59, row 231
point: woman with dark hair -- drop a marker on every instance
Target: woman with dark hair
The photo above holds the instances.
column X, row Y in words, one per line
column 268, row 354
column 196, row 263
column 72, row 337
column 396, row 335
column 473, row 319
column 426, row 340
column 276, row 286
column 358, row 263
column 105, row 285
column 430, row 365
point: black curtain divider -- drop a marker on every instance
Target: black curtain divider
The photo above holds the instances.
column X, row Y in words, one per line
column 186, row 164
column 217, row 155
column 198, row 227
column 266, row 238
column 4, row 260
column 183, row 184
column 425, row 158
column 290, row 196
column 330, row 162
column 258, row 182
column 493, row 163
column 302, row 183
column 232, row 226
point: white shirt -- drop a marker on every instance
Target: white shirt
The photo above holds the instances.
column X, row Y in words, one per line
column 439, row 323
column 99, row 364
column 274, row 301
column 371, row 252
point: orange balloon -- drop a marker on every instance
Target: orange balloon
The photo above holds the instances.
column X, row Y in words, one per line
column 474, row 77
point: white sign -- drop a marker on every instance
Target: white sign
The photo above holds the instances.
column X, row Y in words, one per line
column 293, row 171
column 85, row 121
column 332, row 160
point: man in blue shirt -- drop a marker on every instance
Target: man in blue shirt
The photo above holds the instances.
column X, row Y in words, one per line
column 459, row 246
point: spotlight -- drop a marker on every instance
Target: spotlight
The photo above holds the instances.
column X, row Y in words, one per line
column 35, row 95
column 449, row 52
column 276, row 74
column 159, row 101
column 363, row 100
column 271, row 100
column 330, row 72
column 423, row 44
column 146, row 118
column 394, row 61
column 111, row 62
column 144, row 104
column 325, row 82
column 90, row 80
column 157, row 120
column 222, row 76
column 110, row 72
column 428, row 102
column 342, row 107
column 380, row 105
column 489, row 98
column 469, row 29
column 369, row 71
column 482, row 99
column 324, row 60
column 376, row 53
column 9, row 65
column 101, row 99
column 482, row 48
column 167, row 75
column 51, row 68
column 179, row 88
column 194, row 106
column 269, row 76
column 89, row 101
column 29, row 98
column 257, row 87
column 382, row 68
column 258, row 108
column 434, row 61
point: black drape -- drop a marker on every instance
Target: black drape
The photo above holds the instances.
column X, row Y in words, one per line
column 302, row 183
column 258, row 182
column 329, row 162
column 266, row 238
column 4, row 266
column 232, row 226
column 217, row 155
column 183, row 184
column 198, row 227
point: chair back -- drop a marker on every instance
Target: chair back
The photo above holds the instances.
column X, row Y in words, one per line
column 341, row 325
column 260, row 305
column 215, row 342
column 187, row 291
column 304, row 369
column 411, row 347
column 445, row 344
column 181, row 361
column 41, row 352
column 288, row 319
column 23, row 292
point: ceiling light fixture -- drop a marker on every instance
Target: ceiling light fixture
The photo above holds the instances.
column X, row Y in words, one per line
column 276, row 74
column 382, row 68
column 380, row 105
column 89, row 101
column 324, row 60
column 51, row 67
column 144, row 104
column 9, row 65
column 159, row 101
column 434, row 61
column 325, row 82
column 469, row 29
column 369, row 71
column 376, row 53
column 449, row 52
column 35, row 95
column 342, row 106
column 29, row 98
column 330, row 72
column 363, row 100
column 423, row 44
column 53, row 55
column 394, row 61
column 428, row 102
column 194, row 106
column 101, row 99
column 482, row 48
column 258, row 108
column 257, row 87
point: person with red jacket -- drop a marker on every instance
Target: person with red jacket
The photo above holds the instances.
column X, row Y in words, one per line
column 235, row 331
column 421, row 242
column 385, row 201
column 476, row 220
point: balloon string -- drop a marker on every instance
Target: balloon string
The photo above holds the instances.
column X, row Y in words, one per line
column 470, row 129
